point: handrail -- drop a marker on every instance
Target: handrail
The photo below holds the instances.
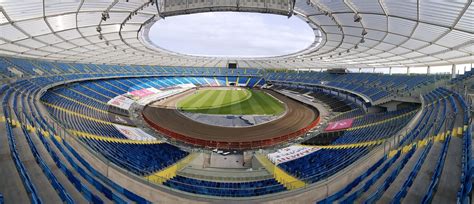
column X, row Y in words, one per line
column 224, row 179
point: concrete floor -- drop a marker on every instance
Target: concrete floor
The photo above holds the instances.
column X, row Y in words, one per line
column 11, row 185
column 448, row 185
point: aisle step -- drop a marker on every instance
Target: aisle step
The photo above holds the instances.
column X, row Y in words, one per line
column 289, row 181
column 168, row 173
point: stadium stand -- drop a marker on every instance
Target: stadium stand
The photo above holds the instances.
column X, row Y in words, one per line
column 139, row 159
column 374, row 107
column 429, row 151
column 467, row 75
column 440, row 139
column 240, row 189
column 373, row 86
column 323, row 163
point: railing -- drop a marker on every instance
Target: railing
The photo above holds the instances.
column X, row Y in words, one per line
column 226, row 178
column 231, row 145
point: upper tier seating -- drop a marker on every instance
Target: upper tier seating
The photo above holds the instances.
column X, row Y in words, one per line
column 41, row 68
column 467, row 75
column 373, row 86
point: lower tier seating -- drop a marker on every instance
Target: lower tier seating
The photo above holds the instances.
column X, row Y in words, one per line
column 240, row 189
column 323, row 163
column 140, row 159
column 425, row 167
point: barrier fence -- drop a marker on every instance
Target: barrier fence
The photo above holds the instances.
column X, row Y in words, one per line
column 231, row 145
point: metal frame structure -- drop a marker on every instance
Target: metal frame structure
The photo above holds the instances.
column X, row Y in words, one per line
column 349, row 33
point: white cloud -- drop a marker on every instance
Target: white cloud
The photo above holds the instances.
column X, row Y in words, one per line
column 232, row 34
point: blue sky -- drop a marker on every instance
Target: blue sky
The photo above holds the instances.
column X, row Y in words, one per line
column 232, row 34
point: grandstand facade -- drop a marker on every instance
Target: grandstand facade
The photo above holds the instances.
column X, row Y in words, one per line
column 91, row 110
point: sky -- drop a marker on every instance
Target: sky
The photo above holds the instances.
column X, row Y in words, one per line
column 232, row 34
column 240, row 34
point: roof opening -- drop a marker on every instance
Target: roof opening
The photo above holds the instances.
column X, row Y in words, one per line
column 232, row 34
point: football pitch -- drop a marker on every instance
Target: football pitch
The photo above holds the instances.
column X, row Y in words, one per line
column 231, row 102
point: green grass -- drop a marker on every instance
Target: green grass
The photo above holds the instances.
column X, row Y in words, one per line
column 231, row 102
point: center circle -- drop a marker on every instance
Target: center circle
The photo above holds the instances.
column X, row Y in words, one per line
column 167, row 118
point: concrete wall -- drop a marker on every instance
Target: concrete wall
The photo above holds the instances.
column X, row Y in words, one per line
column 375, row 109
column 391, row 106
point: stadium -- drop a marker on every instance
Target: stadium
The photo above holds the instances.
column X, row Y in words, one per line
column 375, row 108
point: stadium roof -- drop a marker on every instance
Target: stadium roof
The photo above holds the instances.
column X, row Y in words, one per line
column 351, row 33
